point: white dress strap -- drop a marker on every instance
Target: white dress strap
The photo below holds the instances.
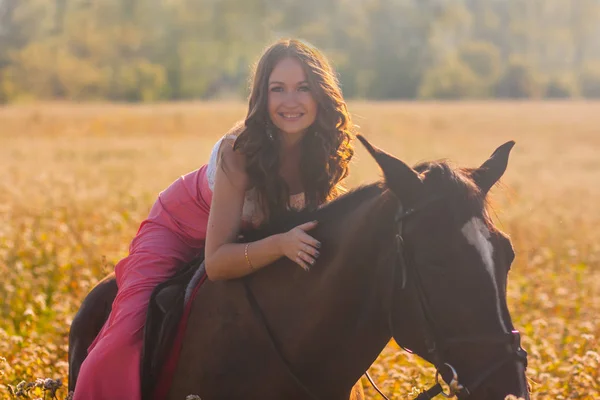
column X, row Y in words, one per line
column 211, row 169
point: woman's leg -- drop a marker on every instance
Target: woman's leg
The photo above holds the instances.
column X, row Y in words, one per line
column 112, row 367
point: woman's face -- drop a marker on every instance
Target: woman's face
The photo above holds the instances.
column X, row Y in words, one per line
column 292, row 107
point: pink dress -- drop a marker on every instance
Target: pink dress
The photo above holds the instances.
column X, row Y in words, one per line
column 173, row 234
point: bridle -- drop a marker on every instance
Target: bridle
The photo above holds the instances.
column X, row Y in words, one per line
column 436, row 344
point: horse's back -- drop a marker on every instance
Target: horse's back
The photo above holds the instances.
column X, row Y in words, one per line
column 226, row 352
column 96, row 307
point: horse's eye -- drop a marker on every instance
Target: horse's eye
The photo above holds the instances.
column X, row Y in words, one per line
column 505, row 246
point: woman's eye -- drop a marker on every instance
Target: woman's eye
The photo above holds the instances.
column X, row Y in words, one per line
column 276, row 89
column 304, row 89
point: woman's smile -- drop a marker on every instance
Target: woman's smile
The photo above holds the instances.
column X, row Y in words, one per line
column 291, row 117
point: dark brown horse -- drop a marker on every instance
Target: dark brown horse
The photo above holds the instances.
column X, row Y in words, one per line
column 415, row 258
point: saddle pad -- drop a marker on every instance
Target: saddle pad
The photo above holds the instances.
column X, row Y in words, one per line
column 168, row 369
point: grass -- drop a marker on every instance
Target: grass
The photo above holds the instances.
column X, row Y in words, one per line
column 76, row 181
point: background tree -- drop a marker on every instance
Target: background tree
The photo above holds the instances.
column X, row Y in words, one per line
column 133, row 50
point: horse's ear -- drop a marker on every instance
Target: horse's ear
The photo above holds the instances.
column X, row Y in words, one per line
column 492, row 170
column 402, row 180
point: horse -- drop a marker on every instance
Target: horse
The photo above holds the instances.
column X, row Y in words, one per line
column 413, row 257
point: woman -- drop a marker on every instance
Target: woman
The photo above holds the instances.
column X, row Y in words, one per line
column 292, row 151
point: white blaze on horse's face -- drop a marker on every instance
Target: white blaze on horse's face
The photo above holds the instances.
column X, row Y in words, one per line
column 478, row 235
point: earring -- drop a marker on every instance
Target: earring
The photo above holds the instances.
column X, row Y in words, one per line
column 269, row 131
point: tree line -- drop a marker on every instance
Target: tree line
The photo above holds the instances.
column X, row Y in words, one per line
column 156, row 50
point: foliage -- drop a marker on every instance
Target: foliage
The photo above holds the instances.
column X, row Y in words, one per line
column 451, row 80
column 519, row 81
column 482, row 58
column 561, row 87
column 190, row 49
column 590, row 81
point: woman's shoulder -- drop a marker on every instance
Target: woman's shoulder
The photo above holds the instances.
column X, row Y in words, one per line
column 229, row 158
column 223, row 154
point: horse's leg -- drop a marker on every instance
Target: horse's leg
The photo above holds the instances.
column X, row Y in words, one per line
column 357, row 392
column 88, row 321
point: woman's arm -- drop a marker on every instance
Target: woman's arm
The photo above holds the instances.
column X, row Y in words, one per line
column 225, row 259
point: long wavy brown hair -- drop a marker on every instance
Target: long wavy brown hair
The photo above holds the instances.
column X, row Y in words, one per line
column 326, row 148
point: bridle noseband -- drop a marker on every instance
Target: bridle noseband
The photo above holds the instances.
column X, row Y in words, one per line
column 436, row 344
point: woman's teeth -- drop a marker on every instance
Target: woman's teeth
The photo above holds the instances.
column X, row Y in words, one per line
column 291, row 116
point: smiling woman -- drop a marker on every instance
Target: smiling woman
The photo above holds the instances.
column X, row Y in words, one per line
column 297, row 124
column 292, row 108
column 292, row 151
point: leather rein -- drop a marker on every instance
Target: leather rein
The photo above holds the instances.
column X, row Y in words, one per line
column 436, row 344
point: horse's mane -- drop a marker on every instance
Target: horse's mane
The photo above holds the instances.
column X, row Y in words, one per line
column 457, row 185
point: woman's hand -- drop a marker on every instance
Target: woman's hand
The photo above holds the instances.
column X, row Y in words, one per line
column 299, row 246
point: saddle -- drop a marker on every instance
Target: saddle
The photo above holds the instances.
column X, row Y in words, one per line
column 165, row 310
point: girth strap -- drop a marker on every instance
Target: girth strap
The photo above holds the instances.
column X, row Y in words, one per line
column 261, row 317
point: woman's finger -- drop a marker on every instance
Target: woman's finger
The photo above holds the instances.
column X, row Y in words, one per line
column 309, row 240
column 311, row 250
column 302, row 263
column 306, row 257
column 308, row 225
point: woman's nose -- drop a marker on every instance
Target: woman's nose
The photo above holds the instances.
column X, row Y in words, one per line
column 291, row 98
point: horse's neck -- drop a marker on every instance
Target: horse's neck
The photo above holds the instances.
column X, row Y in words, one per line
column 342, row 320
column 359, row 281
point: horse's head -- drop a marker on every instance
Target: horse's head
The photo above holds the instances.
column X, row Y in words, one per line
column 451, row 275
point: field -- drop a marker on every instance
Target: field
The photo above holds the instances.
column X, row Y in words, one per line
column 76, row 180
